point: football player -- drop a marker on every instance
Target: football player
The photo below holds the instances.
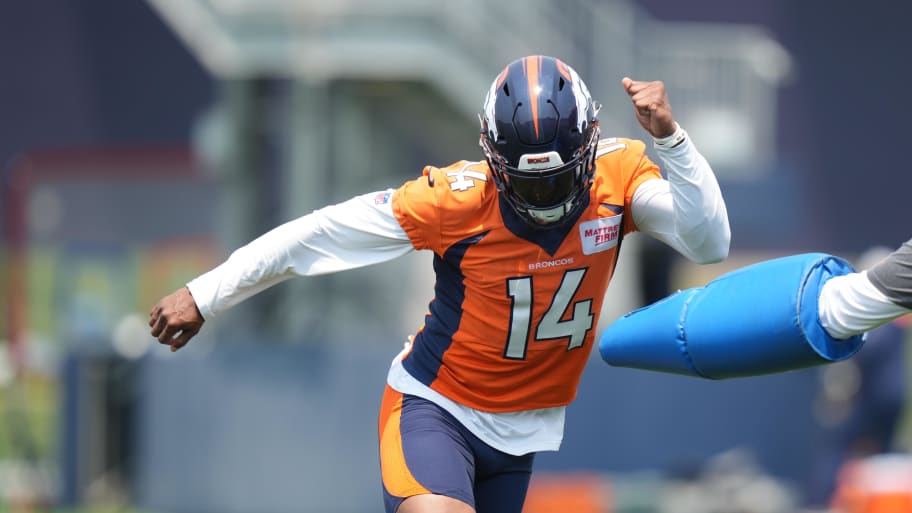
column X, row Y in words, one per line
column 525, row 242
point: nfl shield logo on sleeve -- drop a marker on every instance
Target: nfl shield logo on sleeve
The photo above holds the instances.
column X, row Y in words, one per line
column 600, row 234
column 382, row 198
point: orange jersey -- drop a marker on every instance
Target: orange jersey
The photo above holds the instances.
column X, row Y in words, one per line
column 515, row 309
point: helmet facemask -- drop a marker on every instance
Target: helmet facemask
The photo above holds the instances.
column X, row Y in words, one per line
column 543, row 189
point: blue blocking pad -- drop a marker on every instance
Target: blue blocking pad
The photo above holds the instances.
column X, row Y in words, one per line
column 759, row 319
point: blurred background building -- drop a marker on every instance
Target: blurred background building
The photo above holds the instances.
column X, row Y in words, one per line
column 141, row 141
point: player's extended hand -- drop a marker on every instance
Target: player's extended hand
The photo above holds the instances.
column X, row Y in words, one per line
column 651, row 106
column 176, row 319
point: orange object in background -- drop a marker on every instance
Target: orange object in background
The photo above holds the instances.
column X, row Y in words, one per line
column 568, row 492
column 877, row 484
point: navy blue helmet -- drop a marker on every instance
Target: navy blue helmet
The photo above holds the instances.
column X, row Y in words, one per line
column 539, row 134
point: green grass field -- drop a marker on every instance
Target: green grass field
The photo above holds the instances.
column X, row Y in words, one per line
column 28, row 413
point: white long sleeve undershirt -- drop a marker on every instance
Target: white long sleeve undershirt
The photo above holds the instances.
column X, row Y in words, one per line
column 686, row 211
column 851, row 304
column 348, row 235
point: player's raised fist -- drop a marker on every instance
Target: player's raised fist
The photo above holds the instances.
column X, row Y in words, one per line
column 651, row 106
column 175, row 319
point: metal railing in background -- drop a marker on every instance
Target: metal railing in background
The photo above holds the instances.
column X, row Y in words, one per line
column 458, row 46
column 723, row 78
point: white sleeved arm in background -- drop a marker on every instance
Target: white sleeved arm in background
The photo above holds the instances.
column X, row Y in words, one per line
column 687, row 210
column 859, row 302
column 851, row 304
column 351, row 234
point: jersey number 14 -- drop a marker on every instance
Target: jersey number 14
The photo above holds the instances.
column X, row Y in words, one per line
column 551, row 327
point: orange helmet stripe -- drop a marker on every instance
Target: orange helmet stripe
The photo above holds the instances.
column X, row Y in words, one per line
column 503, row 76
column 532, row 68
column 562, row 68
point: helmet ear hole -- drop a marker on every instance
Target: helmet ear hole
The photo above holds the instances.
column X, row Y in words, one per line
column 506, row 89
column 560, row 84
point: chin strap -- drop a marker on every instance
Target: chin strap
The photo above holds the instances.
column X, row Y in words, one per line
column 547, row 216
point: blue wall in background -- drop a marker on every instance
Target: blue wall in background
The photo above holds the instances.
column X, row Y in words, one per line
column 271, row 428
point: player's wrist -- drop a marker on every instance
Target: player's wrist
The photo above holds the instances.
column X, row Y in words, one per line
column 671, row 141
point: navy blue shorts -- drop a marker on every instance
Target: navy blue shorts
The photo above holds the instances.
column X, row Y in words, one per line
column 424, row 449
